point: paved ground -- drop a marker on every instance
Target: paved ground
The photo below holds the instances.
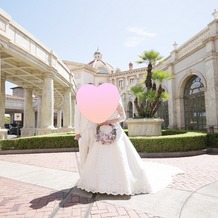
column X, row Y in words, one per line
column 43, row 185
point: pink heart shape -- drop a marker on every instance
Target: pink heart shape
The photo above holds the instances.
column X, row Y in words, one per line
column 97, row 103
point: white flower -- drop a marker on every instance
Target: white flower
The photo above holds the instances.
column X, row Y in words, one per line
column 104, row 136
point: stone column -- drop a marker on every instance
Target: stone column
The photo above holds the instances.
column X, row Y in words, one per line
column 137, row 79
column 67, row 111
column 3, row 131
column 211, row 93
column 11, row 117
column 179, row 108
column 171, row 102
column 47, row 106
column 47, row 114
column 2, row 100
column 211, row 74
column 126, row 82
column 29, row 119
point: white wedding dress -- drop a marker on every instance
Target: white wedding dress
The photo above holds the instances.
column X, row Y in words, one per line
column 117, row 168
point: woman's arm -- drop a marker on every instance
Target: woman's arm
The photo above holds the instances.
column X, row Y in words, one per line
column 121, row 118
column 121, row 112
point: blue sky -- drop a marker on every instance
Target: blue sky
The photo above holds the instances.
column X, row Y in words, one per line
column 121, row 29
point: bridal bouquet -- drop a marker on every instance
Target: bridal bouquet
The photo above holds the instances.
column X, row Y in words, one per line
column 104, row 136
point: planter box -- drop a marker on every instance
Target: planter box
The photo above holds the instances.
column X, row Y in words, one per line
column 3, row 134
column 144, row 127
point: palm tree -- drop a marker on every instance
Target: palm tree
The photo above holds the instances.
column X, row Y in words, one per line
column 150, row 94
column 151, row 58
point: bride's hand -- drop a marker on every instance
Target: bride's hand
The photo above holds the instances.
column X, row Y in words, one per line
column 77, row 137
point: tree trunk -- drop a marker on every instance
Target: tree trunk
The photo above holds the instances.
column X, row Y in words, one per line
column 148, row 81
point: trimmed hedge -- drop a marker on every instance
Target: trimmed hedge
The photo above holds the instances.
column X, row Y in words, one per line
column 64, row 140
column 182, row 141
column 172, row 131
column 189, row 141
column 212, row 140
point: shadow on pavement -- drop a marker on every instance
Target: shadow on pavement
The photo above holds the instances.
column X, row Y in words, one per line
column 65, row 198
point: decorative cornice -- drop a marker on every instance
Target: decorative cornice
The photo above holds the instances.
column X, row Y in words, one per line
column 84, row 67
column 129, row 72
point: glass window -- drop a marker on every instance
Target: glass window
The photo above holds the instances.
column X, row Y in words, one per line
column 103, row 70
column 131, row 80
column 194, row 105
column 120, row 84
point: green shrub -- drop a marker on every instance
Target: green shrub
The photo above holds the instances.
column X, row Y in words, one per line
column 173, row 143
column 172, row 131
column 212, row 140
column 188, row 141
column 63, row 140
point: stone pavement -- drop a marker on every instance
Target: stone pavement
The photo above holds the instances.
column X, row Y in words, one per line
column 43, row 185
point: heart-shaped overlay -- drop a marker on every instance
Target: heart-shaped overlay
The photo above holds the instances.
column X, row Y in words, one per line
column 97, row 103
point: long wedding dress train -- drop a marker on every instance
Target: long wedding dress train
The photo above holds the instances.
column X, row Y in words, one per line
column 117, row 168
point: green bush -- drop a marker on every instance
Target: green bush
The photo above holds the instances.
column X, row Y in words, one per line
column 188, row 141
column 63, row 140
column 166, row 131
column 212, row 140
column 172, row 131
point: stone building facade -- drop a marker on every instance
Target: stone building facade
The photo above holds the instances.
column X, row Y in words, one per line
column 193, row 102
column 193, row 91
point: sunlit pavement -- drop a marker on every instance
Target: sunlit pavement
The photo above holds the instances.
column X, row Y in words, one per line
column 11, row 136
column 44, row 185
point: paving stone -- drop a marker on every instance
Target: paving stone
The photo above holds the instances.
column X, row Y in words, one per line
column 25, row 199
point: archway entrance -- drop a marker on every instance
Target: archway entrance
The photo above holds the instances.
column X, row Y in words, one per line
column 194, row 104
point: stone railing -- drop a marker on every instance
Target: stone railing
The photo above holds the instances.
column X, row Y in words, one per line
column 19, row 39
column 193, row 43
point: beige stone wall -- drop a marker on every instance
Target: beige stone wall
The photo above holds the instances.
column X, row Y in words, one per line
column 198, row 56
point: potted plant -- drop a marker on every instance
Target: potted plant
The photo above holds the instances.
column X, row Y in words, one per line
column 148, row 97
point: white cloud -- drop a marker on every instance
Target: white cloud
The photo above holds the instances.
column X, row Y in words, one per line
column 140, row 36
column 133, row 41
column 140, row 32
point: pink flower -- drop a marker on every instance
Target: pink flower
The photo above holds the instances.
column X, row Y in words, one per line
column 106, row 138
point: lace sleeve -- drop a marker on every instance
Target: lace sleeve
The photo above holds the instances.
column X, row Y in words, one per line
column 121, row 112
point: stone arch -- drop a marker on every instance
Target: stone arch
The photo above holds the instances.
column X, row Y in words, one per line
column 194, row 104
column 179, row 97
column 185, row 79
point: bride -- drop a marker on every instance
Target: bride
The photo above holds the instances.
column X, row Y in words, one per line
column 113, row 166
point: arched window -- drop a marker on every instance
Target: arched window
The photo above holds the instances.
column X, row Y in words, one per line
column 194, row 104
